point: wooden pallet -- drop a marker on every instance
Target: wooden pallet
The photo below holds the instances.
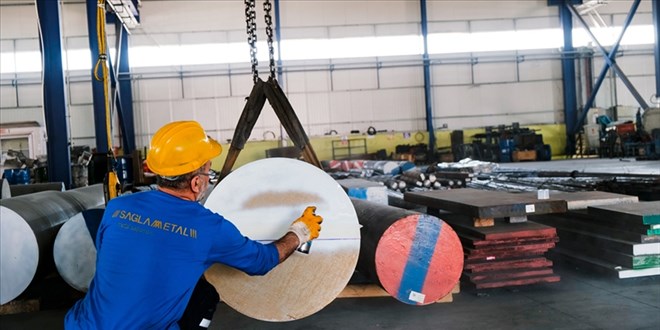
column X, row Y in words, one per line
column 375, row 290
column 20, row 306
column 523, row 155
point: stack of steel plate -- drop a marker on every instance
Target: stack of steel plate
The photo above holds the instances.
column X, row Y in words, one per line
column 506, row 254
column 622, row 239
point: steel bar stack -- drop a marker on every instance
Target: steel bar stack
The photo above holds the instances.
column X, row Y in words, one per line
column 506, row 254
column 501, row 247
column 620, row 239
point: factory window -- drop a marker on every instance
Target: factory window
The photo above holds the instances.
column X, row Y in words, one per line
column 311, row 49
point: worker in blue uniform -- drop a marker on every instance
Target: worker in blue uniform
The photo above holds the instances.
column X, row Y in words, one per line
column 153, row 247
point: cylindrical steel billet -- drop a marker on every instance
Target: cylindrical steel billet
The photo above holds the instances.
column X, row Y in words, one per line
column 74, row 250
column 4, row 189
column 402, row 185
column 28, row 225
column 262, row 199
column 446, row 182
column 415, row 257
column 392, row 184
column 24, row 189
column 416, row 175
column 387, row 180
column 411, row 182
column 388, row 166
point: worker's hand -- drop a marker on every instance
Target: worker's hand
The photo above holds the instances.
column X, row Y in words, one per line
column 308, row 226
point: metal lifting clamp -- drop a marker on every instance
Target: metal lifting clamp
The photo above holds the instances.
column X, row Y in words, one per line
column 261, row 91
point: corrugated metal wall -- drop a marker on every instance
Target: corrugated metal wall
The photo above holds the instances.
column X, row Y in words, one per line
column 469, row 89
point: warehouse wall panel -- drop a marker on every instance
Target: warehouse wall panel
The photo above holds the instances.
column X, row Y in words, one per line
column 182, row 110
column 206, row 87
column 304, row 33
column 352, row 31
column 361, row 107
column 80, row 117
column 267, row 124
column 471, row 10
column 340, row 107
column 18, row 22
column 337, row 13
column 401, row 29
column 307, row 82
column 495, row 100
column 229, row 110
column 241, row 84
column 165, row 16
column 451, row 74
column 74, row 19
column 636, row 65
column 495, row 72
column 339, row 94
column 206, row 112
column 160, row 89
column 492, row 25
column 30, row 95
column 27, row 45
column 80, row 93
column 158, row 114
column 645, row 86
column 154, row 39
column 354, row 79
column 400, row 77
column 447, row 27
column 399, row 104
column 318, row 113
column 12, row 115
column 618, row 7
column 8, row 97
column 540, row 70
column 642, row 17
column 203, row 37
column 534, row 23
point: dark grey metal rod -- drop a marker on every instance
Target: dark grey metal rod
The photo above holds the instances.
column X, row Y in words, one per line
column 29, row 224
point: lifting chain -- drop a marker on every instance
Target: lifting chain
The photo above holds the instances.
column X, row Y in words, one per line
column 269, row 33
column 251, row 28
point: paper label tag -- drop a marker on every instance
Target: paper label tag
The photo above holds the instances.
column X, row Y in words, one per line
column 205, row 323
column 529, row 208
column 417, row 297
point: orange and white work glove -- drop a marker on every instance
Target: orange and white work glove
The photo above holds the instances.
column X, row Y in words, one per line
column 308, row 226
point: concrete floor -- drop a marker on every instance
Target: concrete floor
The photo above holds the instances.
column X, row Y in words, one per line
column 582, row 300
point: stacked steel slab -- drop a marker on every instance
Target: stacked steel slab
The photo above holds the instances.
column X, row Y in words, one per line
column 621, row 239
column 506, row 254
column 498, row 252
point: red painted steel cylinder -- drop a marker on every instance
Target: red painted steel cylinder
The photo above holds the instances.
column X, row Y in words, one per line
column 415, row 257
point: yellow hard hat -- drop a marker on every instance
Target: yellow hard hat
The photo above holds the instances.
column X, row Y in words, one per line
column 179, row 148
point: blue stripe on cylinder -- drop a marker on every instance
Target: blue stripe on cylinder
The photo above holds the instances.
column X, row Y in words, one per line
column 419, row 258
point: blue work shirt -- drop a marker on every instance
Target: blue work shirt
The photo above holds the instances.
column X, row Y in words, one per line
column 152, row 248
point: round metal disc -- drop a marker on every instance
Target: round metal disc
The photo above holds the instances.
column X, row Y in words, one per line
column 75, row 254
column 19, row 255
column 419, row 259
column 262, row 199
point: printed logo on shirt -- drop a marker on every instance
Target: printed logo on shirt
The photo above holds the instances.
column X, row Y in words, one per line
column 155, row 223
